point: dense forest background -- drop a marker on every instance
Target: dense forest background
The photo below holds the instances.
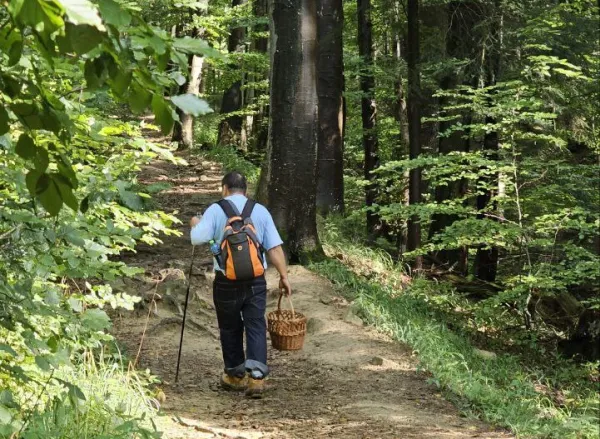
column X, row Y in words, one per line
column 446, row 151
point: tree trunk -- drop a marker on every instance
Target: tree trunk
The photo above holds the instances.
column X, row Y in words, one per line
column 463, row 41
column 292, row 150
column 183, row 132
column 260, row 126
column 402, row 148
column 486, row 260
column 369, row 110
column 330, row 88
column 414, row 124
column 230, row 128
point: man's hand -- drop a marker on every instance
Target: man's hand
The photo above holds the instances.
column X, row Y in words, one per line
column 284, row 286
column 195, row 220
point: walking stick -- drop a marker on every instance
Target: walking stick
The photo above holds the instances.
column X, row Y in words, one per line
column 187, row 296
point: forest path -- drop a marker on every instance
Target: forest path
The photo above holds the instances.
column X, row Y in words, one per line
column 348, row 382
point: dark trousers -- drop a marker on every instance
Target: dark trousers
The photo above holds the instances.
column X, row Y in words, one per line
column 241, row 307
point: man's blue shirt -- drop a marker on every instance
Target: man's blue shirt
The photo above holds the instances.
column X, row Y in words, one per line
column 213, row 223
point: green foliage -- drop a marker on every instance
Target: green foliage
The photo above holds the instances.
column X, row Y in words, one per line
column 232, row 161
column 107, row 401
column 69, row 200
column 544, row 397
column 46, row 45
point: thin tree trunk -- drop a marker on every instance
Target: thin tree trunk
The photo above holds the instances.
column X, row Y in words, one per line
column 463, row 41
column 260, row 126
column 330, row 88
column 292, row 151
column 183, row 132
column 230, row 128
column 486, row 260
column 369, row 110
column 402, row 149
column 414, row 121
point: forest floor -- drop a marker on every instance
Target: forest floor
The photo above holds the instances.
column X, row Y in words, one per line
column 348, row 382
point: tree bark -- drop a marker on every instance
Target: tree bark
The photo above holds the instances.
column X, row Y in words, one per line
column 402, row 148
column 369, row 110
column 183, row 132
column 462, row 42
column 230, row 128
column 260, row 126
column 330, row 89
column 414, row 121
column 486, row 259
column 292, row 150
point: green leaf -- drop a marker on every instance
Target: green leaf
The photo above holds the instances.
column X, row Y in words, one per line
column 11, row 42
column 192, row 104
column 31, row 180
column 4, row 127
column 92, row 78
column 112, row 13
column 42, row 15
column 75, row 392
column 5, row 415
column 131, row 200
column 66, row 192
column 7, row 399
column 82, row 38
column 139, row 98
column 25, row 147
column 75, row 304
column 24, row 109
column 5, row 142
column 52, row 298
column 163, row 113
column 120, row 82
column 6, row 348
column 95, row 319
column 50, row 121
column 75, row 239
column 43, row 363
column 82, row 12
column 195, row 46
column 178, row 78
column 49, row 196
column 85, row 205
column 52, row 343
column 60, row 358
column 41, row 160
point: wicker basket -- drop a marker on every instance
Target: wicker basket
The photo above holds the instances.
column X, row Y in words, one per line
column 286, row 327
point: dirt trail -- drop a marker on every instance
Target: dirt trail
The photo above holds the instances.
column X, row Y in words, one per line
column 348, row 382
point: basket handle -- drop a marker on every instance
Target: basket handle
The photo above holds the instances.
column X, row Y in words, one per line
column 289, row 300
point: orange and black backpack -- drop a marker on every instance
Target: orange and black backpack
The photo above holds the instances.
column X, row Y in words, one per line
column 241, row 252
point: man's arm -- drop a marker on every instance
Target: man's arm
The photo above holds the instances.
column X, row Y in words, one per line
column 277, row 258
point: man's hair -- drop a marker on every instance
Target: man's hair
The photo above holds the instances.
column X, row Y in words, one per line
column 235, row 182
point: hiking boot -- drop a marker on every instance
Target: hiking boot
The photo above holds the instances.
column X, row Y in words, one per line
column 234, row 383
column 255, row 388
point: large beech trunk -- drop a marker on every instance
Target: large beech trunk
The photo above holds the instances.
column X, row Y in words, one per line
column 330, row 89
column 290, row 171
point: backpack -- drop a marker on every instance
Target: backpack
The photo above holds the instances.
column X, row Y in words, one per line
column 242, row 253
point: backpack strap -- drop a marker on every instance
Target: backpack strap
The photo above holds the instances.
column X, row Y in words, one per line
column 229, row 208
column 248, row 208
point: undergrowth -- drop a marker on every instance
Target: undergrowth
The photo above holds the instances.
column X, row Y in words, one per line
column 545, row 399
column 113, row 402
column 232, row 161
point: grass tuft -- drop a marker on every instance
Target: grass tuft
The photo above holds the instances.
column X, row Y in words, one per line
column 116, row 405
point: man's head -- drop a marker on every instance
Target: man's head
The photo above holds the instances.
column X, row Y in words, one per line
column 234, row 183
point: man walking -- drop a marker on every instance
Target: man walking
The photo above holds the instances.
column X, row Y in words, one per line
column 241, row 298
